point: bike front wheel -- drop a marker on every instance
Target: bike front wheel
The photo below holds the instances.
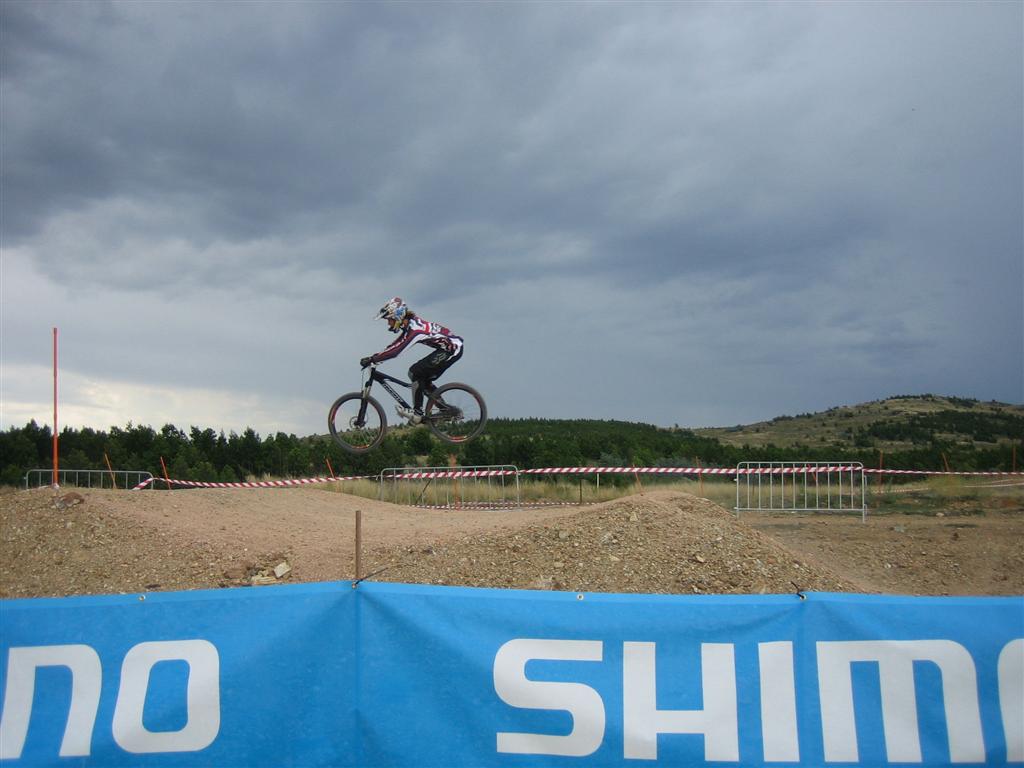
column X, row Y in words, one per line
column 455, row 413
column 357, row 425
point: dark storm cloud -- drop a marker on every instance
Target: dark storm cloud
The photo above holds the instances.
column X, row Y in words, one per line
column 843, row 175
column 439, row 121
column 415, row 116
column 174, row 111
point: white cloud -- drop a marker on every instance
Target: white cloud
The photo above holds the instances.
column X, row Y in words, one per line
column 109, row 402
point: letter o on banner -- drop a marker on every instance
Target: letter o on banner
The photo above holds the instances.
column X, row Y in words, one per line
column 202, row 697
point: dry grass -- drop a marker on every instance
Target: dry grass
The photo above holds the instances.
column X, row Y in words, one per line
column 949, row 495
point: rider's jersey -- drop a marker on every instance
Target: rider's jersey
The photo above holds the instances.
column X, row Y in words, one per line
column 420, row 331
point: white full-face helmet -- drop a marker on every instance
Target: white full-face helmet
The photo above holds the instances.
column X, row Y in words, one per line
column 396, row 312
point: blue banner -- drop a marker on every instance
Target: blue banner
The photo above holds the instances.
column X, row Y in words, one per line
column 406, row 675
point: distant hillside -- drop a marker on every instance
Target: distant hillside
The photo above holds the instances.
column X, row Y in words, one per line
column 896, row 424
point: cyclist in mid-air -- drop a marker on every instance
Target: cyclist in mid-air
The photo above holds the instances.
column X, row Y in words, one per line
column 415, row 330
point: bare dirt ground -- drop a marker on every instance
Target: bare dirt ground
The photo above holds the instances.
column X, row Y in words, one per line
column 109, row 542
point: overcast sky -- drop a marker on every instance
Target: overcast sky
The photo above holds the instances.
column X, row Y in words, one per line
column 700, row 214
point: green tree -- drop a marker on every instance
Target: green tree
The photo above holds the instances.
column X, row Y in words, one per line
column 298, row 462
column 418, row 442
column 17, row 456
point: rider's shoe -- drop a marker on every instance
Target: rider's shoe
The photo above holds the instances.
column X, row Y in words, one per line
column 448, row 412
column 414, row 416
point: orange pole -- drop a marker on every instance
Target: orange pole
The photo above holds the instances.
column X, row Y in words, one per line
column 55, row 459
column 110, row 469
column 329, row 467
column 166, row 477
column 945, row 461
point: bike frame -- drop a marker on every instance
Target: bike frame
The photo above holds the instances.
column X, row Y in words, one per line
column 383, row 379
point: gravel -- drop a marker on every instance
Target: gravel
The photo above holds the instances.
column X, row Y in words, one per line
column 109, row 542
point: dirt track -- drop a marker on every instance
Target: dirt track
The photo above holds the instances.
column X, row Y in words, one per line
column 662, row 541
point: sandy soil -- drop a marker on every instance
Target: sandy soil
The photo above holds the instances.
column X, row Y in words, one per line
column 103, row 542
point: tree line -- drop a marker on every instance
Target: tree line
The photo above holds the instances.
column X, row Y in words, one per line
column 921, row 429
column 208, row 455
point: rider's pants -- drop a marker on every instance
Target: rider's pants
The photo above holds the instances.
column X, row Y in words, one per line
column 424, row 372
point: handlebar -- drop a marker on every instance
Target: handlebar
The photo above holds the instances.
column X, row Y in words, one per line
column 367, row 372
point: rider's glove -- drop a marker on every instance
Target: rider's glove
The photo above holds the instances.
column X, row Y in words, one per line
column 365, row 362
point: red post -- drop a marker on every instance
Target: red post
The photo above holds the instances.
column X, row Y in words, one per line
column 55, row 484
column 329, row 467
column 166, row 476
column 110, row 469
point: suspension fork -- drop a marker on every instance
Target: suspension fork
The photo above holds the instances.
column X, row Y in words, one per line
column 365, row 399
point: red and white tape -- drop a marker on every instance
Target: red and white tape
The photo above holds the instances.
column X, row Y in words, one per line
column 478, row 473
column 796, row 470
column 925, row 472
column 629, row 471
column 454, row 474
column 251, row 484
column 470, row 473
column 487, row 506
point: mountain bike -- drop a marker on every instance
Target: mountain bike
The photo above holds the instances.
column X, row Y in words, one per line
column 454, row 413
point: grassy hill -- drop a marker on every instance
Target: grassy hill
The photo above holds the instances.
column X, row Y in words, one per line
column 895, row 424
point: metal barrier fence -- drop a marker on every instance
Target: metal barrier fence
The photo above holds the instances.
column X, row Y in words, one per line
column 86, row 478
column 801, row 486
column 493, row 486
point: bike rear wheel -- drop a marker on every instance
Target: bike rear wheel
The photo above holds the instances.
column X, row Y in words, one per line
column 455, row 413
column 357, row 425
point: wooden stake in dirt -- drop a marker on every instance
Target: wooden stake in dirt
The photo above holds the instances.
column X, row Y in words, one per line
column 110, row 469
column 329, row 467
column 359, row 543
column 455, row 482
